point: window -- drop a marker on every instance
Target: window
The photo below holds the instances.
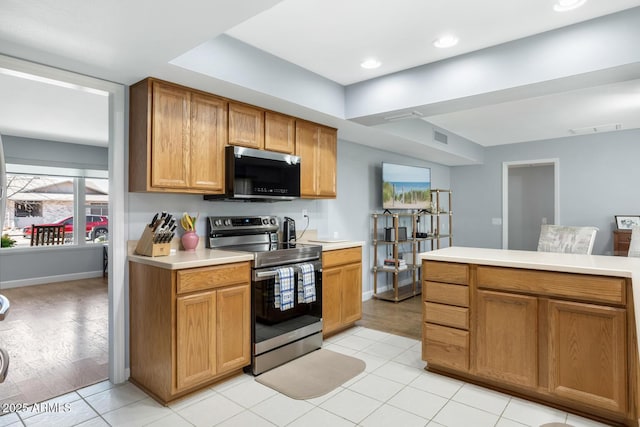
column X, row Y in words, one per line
column 28, row 208
column 55, row 200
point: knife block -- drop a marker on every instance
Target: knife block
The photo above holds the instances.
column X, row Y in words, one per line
column 146, row 246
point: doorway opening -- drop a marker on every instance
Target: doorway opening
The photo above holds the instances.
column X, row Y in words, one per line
column 80, row 85
column 530, row 198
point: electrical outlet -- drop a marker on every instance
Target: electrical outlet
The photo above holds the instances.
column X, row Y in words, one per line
column 304, row 213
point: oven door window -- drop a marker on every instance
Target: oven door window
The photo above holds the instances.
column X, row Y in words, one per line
column 271, row 322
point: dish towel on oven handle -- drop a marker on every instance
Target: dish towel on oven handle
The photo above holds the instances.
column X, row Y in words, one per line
column 284, row 288
column 306, row 284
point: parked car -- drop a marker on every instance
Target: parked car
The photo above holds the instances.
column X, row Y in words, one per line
column 97, row 226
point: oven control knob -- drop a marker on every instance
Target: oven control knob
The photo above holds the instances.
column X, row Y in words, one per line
column 272, row 221
column 217, row 222
column 265, row 221
column 227, row 222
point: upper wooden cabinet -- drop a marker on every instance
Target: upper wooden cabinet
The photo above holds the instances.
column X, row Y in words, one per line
column 176, row 140
column 317, row 147
column 279, row 133
column 246, row 126
column 177, row 137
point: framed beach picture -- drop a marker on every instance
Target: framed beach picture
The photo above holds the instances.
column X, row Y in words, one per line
column 627, row 222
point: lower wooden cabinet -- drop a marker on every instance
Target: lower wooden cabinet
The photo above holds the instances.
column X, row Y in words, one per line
column 233, row 327
column 445, row 312
column 341, row 289
column 189, row 327
column 565, row 339
column 506, row 321
column 196, row 339
column 444, row 346
column 588, row 354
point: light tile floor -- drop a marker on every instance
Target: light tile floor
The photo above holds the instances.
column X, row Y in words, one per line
column 394, row 390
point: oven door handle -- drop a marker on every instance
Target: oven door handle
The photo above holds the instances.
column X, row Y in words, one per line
column 273, row 273
column 265, row 274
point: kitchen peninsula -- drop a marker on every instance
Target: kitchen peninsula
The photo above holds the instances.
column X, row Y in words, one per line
column 551, row 327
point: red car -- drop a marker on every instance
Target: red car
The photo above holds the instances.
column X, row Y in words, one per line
column 97, row 225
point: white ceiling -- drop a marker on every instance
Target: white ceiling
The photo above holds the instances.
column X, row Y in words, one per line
column 125, row 41
column 332, row 37
column 547, row 117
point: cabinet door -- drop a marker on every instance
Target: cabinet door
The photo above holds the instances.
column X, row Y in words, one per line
column 327, row 162
column 208, row 137
column 246, row 126
column 307, row 135
column 506, row 321
column 587, row 354
column 279, row 132
column 234, row 327
column 351, row 279
column 196, row 339
column 170, row 150
column 331, row 299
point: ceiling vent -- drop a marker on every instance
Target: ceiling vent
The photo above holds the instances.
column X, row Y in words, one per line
column 594, row 129
column 440, row 137
column 404, row 116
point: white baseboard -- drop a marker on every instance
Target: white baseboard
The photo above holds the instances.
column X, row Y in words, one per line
column 49, row 279
column 367, row 295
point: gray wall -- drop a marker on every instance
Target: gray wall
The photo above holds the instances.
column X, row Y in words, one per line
column 530, row 204
column 598, row 179
column 27, row 266
column 359, row 194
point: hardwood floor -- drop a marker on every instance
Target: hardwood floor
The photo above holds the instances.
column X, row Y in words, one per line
column 57, row 339
column 402, row 318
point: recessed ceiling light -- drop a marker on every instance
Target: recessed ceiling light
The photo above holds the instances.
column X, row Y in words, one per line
column 565, row 5
column 371, row 63
column 445, row 41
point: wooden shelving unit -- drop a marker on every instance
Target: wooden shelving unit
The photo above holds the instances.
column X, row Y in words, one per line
column 404, row 281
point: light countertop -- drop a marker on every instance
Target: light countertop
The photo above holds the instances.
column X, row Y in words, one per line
column 203, row 257
column 198, row 258
column 568, row 263
column 332, row 245
column 618, row 266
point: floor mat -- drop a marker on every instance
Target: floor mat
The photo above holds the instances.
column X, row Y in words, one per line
column 312, row 375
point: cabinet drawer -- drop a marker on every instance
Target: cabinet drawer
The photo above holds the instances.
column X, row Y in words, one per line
column 582, row 287
column 446, row 315
column 341, row 256
column 446, row 272
column 446, row 294
column 445, row 346
column 196, row 279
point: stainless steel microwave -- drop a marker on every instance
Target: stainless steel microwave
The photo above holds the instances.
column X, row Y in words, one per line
column 259, row 175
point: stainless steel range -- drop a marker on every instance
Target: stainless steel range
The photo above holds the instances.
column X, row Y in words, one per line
column 278, row 335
